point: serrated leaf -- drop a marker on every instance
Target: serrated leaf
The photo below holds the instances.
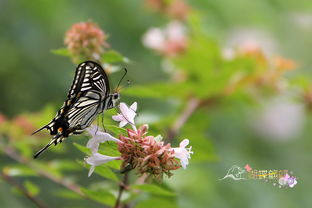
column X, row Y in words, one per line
column 31, row 188
column 61, row 52
column 112, row 56
column 101, row 196
column 154, row 189
column 82, row 148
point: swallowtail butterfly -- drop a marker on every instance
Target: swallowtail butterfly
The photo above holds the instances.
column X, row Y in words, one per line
column 88, row 96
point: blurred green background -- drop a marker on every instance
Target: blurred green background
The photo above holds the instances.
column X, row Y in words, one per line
column 267, row 131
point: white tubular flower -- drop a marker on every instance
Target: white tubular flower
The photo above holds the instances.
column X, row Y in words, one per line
column 98, row 137
column 182, row 153
column 127, row 115
column 97, row 159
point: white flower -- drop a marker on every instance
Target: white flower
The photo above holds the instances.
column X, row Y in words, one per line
column 126, row 115
column 182, row 153
column 98, row 159
column 154, row 39
column 98, row 137
column 175, row 31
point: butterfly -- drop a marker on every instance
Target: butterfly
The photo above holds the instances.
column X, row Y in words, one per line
column 88, row 96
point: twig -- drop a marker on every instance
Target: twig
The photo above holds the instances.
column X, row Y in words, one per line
column 22, row 189
column 15, row 156
column 122, row 186
column 191, row 106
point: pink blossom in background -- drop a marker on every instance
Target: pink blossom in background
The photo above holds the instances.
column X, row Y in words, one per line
column 168, row 41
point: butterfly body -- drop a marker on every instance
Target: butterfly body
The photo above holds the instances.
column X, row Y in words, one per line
column 88, row 96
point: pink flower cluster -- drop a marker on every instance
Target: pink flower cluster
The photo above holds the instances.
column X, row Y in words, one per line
column 146, row 154
column 169, row 41
column 85, row 40
column 177, row 9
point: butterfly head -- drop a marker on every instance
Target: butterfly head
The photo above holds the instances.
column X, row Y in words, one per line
column 113, row 100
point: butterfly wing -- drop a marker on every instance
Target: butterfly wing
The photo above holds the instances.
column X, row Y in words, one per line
column 85, row 98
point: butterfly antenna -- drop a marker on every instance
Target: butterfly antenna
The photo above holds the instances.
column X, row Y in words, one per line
column 123, row 76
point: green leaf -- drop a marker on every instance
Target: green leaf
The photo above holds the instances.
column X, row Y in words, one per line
column 115, row 129
column 19, row 170
column 113, row 56
column 82, row 148
column 67, row 194
column 102, row 196
column 106, row 172
column 154, row 189
column 61, row 52
column 102, row 170
column 160, row 90
column 156, row 202
column 31, row 188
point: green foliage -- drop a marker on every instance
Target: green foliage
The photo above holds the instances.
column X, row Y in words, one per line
column 113, row 56
column 102, row 196
column 153, row 189
column 61, row 52
column 34, row 83
column 31, row 188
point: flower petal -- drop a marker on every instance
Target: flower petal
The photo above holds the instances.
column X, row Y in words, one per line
column 184, row 143
column 134, row 106
column 118, row 117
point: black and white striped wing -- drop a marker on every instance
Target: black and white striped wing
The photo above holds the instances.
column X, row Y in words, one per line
column 89, row 76
column 84, row 110
column 85, row 97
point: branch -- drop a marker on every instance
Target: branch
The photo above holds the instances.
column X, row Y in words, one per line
column 67, row 184
column 122, row 186
column 192, row 105
column 22, row 189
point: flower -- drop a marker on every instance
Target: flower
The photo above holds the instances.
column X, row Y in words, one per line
column 182, row 153
column 85, row 40
column 97, row 159
column 126, row 115
column 169, row 41
column 147, row 154
column 177, row 9
column 98, row 137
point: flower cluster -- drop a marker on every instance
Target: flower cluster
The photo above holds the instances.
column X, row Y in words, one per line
column 169, row 41
column 145, row 153
column 85, row 40
column 177, row 9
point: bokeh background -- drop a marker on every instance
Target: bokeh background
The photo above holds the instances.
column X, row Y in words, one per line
column 255, row 105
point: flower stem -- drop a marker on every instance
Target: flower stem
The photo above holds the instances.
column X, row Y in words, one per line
column 122, row 186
